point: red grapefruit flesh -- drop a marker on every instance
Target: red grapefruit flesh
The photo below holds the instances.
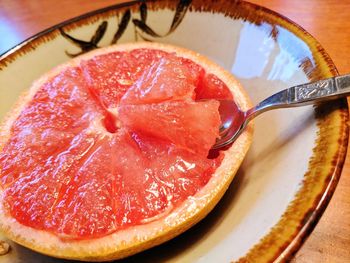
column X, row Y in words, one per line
column 115, row 141
column 177, row 171
column 93, row 183
column 169, row 78
column 211, row 87
column 181, row 122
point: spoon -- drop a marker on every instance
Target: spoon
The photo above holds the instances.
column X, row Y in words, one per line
column 234, row 121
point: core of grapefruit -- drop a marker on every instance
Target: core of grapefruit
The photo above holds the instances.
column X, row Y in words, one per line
column 108, row 154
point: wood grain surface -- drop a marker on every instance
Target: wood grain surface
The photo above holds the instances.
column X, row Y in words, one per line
column 327, row 20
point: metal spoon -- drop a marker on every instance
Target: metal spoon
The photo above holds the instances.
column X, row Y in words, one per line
column 234, row 122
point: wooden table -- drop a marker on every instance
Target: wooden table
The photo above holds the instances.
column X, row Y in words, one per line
column 327, row 20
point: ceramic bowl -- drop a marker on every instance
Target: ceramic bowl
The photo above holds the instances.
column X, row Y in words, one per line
column 297, row 154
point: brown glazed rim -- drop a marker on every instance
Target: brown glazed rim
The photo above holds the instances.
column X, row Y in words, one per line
column 319, row 183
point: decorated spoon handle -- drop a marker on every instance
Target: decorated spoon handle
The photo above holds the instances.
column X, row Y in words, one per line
column 305, row 94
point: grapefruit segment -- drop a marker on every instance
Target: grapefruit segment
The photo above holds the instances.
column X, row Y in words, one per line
column 59, row 110
column 108, row 75
column 211, row 87
column 85, row 208
column 112, row 74
column 177, row 172
column 191, row 125
column 167, row 79
column 31, row 196
column 62, row 103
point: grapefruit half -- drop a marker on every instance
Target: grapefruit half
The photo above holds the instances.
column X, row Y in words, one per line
column 108, row 154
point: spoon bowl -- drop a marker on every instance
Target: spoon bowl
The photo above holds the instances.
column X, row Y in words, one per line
column 234, row 120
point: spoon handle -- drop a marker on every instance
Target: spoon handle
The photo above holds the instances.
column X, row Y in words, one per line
column 305, row 94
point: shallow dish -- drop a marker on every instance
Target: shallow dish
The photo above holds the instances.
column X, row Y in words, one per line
column 297, row 155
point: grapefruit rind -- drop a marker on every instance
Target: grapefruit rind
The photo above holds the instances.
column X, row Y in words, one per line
column 136, row 238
